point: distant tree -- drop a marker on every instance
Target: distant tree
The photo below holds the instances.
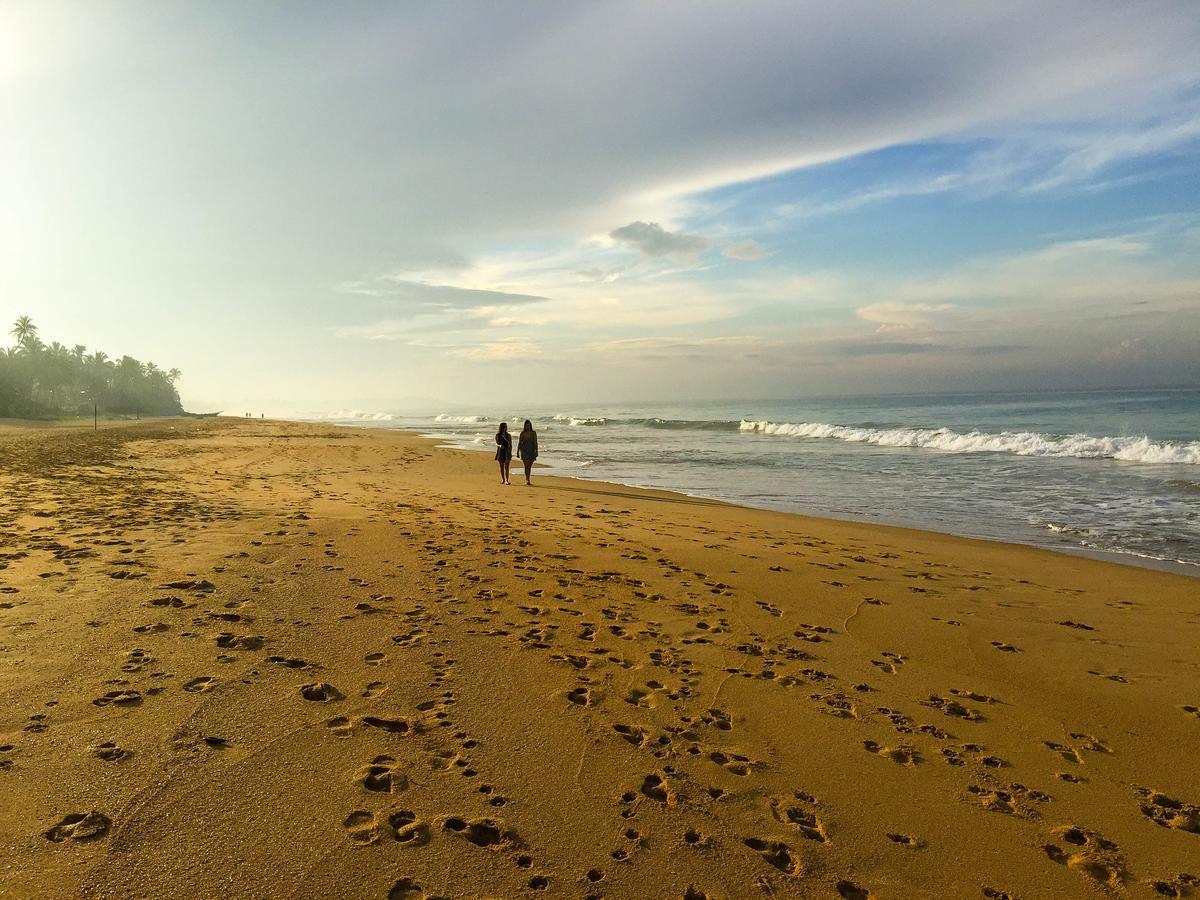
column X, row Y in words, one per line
column 45, row 380
column 23, row 330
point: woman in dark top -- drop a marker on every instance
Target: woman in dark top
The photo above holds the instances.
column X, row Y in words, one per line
column 527, row 448
column 504, row 451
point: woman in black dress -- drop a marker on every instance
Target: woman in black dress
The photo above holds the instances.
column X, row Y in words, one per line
column 504, row 451
column 527, row 448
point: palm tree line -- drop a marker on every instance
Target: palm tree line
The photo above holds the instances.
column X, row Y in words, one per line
column 39, row 380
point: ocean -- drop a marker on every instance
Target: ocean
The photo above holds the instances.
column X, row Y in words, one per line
column 1113, row 473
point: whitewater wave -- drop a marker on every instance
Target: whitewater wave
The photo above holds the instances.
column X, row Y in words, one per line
column 689, row 424
column 1019, row 443
column 581, row 420
column 460, row 420
column 362, row 416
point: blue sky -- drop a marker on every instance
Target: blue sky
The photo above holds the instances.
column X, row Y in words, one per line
column 309, row 208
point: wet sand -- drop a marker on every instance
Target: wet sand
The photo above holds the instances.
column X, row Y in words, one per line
column 261, row 659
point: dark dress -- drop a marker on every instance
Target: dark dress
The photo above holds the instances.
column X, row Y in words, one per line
column 527, row 446
column 503, row 447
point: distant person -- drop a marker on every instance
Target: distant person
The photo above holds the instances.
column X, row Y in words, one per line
column 527, row 448
column 504, row 451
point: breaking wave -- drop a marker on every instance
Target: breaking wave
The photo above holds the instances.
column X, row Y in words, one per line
column 689, row 424
column 581, row 420
column 464, row 420
column 1019, row 443
column 361, row 416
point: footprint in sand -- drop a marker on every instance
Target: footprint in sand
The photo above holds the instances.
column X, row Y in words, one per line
column 1005, row 648
column 953, row 708
column 289, row 662
column 200, row 685
column 406, row 828
column 735, row 763
column 79, row 827
column 1169, row 813
column 792, row 811
column 848, row 890
column 580, row 696
column 374, row 689
column 119, row 698
column 229, row 641
column 1010, row 802
column 903, row 756
column 633, row 734
column 718, row 719
column 392, row 726
column 487, row 833
column 381, row 776
column 320, row 692
column 1089, row 854
column 109, row 751
column 406, row 889
column 890, row 663
column 1115, row 676
column 776, row 853
column 643, row 697
column 363, row 827
column 656, row 787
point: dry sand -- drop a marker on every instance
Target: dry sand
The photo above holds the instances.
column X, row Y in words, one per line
column 260, row 659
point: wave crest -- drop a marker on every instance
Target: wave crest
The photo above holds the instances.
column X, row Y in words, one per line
column 363, row 416
column 464, row 420
column 581, row 420
column 1019, row 443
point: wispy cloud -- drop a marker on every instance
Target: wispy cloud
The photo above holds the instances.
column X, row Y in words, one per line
column 893, row 316
column 747, row 251
column 498, row 351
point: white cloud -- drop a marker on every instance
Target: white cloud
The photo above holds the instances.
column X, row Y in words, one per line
column 498, row 351
column 893, row 316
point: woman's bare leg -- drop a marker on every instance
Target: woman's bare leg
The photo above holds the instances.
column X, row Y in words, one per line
column 528, row 469
column 502, row 477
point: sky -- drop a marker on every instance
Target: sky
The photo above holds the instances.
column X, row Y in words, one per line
column 309, row 207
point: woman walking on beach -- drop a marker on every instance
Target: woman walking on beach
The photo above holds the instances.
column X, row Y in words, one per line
column 527, row 448
column 504, row 451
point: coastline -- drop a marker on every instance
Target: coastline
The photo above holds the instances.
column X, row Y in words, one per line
column 347, row 663
column 1124, row 558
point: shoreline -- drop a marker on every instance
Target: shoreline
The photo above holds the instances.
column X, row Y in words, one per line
column 1122, row 558
column 343, row 662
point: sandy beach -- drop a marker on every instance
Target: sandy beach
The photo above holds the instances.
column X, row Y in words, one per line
column 266, row 659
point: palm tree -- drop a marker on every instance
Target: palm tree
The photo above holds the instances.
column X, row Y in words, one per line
column 24, row 330
column 38, row 379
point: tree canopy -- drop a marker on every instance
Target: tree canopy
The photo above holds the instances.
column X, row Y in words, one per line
column 39, row 379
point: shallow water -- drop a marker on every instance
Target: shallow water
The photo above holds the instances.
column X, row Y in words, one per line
column 1114, row 472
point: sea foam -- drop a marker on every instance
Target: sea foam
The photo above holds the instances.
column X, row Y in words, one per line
column 581, row 420
column 346, row 414
column 1019, row 443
